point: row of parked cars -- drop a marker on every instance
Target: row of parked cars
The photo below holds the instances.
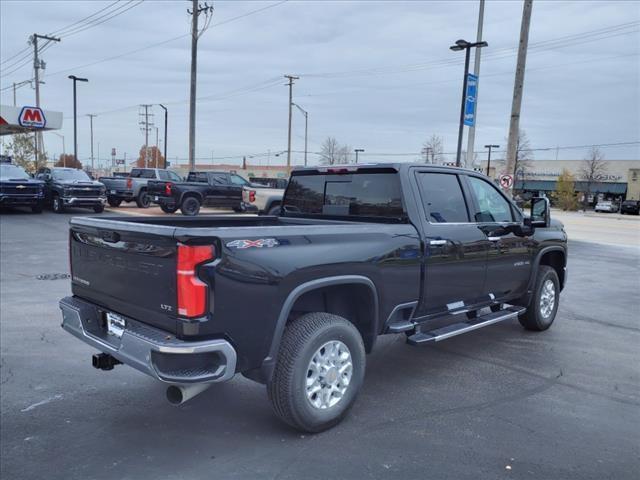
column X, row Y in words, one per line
column 60, row 188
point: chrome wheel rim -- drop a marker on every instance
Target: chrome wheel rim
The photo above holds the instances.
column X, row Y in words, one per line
column 328, row 375
column 547, row 298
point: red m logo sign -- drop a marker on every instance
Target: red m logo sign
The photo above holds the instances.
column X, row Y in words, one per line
column 32, row 117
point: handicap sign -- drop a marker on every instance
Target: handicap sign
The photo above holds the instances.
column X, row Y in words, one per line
column 470, row 100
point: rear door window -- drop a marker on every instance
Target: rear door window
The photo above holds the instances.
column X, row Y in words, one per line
column 442, row 198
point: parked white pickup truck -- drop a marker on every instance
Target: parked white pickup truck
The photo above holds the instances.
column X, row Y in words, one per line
column 263, row 199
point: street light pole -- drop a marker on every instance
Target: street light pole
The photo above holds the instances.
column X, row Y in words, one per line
column 166, row 119
column 466, row 46
column 306, row 130
column 75, row 114
column 358, row 150
column 91, row 115
column 489, row 157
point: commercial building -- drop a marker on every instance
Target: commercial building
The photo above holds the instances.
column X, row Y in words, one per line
column 621, row 179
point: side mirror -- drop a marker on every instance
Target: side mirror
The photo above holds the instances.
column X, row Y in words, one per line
column 540, row 212
column 47, row 177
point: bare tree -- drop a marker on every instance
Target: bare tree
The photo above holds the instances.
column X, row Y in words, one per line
column 433, row 149
column 592, row 169
column 333, row 153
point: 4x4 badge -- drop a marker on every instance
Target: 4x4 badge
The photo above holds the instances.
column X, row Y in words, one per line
column 259, row 243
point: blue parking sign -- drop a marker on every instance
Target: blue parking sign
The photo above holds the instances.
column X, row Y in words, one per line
column 470, row 100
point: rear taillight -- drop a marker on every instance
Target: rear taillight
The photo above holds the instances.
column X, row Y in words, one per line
column 129, row 183
column 167, row 189
column 252, row 196
column 192, row 292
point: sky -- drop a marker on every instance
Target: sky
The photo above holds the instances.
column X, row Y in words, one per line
column 376, row 75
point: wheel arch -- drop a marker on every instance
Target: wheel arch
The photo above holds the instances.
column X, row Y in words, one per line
column 555, row 257
column 329, row 293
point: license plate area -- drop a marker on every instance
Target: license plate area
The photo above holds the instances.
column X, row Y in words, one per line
column 115, row 323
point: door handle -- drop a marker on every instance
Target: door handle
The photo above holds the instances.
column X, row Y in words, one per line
column 494, row 239
column 437, row 242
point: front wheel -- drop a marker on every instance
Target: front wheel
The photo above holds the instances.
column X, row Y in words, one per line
column 544, row 304
column 37, row 208
column 190, row 206
column 114, row 202
column 143, row 200
column 58, row 206
column 98, row 208
column 319, row 371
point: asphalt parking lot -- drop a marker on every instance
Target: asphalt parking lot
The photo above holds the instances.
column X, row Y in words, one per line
column 497, row 403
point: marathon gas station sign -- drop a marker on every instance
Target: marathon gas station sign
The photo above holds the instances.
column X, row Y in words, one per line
column 27, row 119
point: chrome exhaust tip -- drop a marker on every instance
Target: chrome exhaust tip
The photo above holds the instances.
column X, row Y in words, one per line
column 178, row 394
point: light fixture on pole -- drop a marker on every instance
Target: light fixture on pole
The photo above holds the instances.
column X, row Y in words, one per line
column 489, row 157
column 75, row 114
column 467, row 46
column 358, row 150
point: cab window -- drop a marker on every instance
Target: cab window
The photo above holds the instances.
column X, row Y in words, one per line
column 442, row 198
column 491, row 206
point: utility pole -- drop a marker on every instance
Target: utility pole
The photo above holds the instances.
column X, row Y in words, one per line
column 146, row 126
column 90, row 115
column 514, row 125
column 358, row 150
column 489, row 157
column 291, row 79
column 166, row 119
column 195, row 12
column 37, row 65
column 476, row 71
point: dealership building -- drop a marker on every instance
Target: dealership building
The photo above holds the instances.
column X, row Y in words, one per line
column 621, row 179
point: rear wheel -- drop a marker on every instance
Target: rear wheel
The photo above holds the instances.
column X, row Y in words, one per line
column 168, row 209
column 114, row 202
column 544, row 304
column 319, row 371
column 57, row 205
column 190, row 206
column 143, row 200
column 274, row 210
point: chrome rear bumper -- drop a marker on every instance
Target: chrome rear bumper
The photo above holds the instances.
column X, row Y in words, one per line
column 152, row 351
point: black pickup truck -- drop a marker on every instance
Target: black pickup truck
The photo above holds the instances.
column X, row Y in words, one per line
column 295, row 301
column 71, row 187
column 210, row 188
column 18, row 189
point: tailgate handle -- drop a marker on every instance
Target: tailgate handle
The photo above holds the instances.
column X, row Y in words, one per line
column 111, row 237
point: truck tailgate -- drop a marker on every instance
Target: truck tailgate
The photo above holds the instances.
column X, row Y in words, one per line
column 130, row 268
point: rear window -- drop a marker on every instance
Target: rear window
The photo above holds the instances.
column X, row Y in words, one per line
column 370, row 194
column 143, row 173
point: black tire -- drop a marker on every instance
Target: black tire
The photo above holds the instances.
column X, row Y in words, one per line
column 190, row 206
column 167, row 209
column 37, row 208
column 302, row 339
column 534, row 318
column 238, row 209
column 274, row 210
column 114, row 202
column 143, row 200
column 98, row 208
column 56, row 204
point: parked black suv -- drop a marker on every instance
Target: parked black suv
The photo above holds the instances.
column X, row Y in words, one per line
column 18, row 189
column 70, row 187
